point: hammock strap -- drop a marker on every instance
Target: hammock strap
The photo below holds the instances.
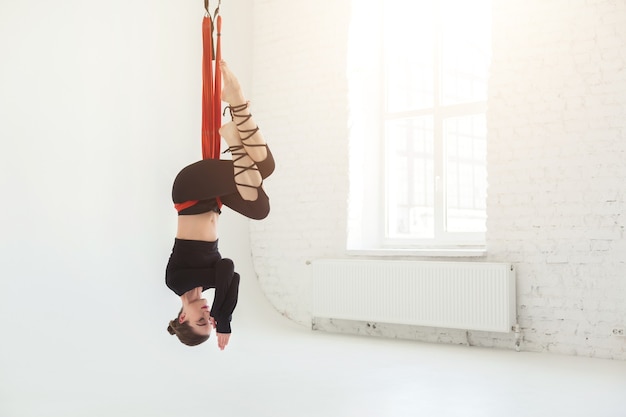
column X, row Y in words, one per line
column 211, row 93
column 211, row 89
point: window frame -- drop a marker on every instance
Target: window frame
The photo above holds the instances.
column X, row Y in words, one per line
column 439, row 113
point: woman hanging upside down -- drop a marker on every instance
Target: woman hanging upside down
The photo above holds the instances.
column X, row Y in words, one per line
column 195, row 263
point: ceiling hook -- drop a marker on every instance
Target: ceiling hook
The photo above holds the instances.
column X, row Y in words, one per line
column 217, row 9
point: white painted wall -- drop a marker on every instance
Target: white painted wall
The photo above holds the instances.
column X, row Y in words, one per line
column 556, row 205
column 99, row 108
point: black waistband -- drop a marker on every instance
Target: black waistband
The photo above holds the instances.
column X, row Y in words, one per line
column 184, row 244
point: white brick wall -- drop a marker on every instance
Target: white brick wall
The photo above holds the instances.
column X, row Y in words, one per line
column 299, row 99
column 557, row 146
column 557, row 170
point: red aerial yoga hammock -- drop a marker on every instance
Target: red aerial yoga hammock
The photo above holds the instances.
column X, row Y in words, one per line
column 211, row 93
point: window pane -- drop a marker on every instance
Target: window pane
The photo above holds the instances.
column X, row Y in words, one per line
column 409, row 179
column 409, row 55
column 466, row 173
column 436, row 55
column 465, row 50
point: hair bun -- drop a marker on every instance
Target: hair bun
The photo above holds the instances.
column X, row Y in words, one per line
column 170, row 329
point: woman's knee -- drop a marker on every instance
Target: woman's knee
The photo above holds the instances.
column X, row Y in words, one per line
column 261, row 213
column 261, row 207
column 225, row 267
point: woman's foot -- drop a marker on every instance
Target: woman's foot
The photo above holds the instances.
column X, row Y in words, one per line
column 231, row 89
column 247, row 176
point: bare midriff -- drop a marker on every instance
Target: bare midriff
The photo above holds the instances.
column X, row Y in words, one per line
column 198, row 227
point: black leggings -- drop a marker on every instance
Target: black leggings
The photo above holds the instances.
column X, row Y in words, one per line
column 208, row 179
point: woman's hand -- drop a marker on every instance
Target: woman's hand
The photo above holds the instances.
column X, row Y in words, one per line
column 222, row 340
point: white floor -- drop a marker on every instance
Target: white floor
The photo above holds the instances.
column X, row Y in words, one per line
column 274, row 368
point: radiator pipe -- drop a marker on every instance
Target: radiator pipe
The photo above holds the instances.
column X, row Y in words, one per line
column 518, row 336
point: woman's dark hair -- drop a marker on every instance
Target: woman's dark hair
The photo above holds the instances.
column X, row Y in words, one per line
column 185, row 332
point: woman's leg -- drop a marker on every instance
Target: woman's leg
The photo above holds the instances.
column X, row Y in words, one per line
column 245, row 141
column 238, row 183
column 251, row 138
column 203, row 180
column 256, row 210
column 245, row 171
column 213, row 178
column 251, row 202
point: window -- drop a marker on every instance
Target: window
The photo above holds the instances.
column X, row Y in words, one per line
column 429, row 128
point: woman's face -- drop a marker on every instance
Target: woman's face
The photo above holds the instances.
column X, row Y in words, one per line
column 197, row 315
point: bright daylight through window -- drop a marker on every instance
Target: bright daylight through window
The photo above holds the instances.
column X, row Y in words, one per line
column 431, row 131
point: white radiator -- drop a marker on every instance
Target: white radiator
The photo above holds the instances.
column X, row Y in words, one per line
column 457, row 295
